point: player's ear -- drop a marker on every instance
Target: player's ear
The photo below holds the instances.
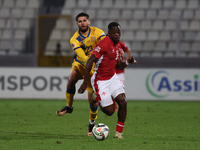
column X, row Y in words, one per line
column 88, row 22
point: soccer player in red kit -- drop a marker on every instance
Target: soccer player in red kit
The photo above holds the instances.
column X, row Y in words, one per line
column 105, row 82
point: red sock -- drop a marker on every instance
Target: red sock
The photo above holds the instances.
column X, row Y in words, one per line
column 120, row 127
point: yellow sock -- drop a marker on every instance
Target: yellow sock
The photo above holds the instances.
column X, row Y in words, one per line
column 93, row 113
column 70, row 97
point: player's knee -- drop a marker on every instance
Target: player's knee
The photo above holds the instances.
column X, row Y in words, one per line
column 123, row 103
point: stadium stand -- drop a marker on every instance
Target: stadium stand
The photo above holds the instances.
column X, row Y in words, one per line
column 158, row 28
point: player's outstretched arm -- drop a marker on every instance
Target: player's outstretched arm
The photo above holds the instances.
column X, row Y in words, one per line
column 121, row 65
column 88, row 68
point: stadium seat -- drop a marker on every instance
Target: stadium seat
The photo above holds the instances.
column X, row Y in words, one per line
column 102, row 14
column 188, row 14
column 156, row 54
column 184, row 25
column 134, row 54
column 16, row 12
column 194, row 25
column 170, row 25
column 163, row 14
column 127, row 36
column 172, row 46
column 5, row 45
column 193, row 54
column 4, row 13
column 183, row 54
column 158, row 25
column 24, row 24
column 131, row 4
column 29, row 13
column 55, row 35
column 123, row 24
column 91, row 13
column 193, row 4
column 12, row 23
column 152, row 35
column 21, row 4
column 51, row 45
column 76, row 11
column 160, row 46
column 143, row 4
column 175, row 14
column 148, row 46
column 65, row 46
column 151, row 14
column 7, row 34
column 114, row 14
column 99, row 23
column 20, row 34
column 180, row 4
column 95, row 4
column 136, row 46
column 197, row 14
column 119, row 4
column 197, row 36
column 165, row 36
column 126, row 14
column 107, row 4
column 70, row 4
column 2, row 23
column 176, row 36
column 18, row 45
column 62, row 24
column 66, row 11
column 138, row 14
column 140, row 35
column 168, row 4
column 145, row 54
column 185, row 47
column 66, row 35
column 8, row 3
column 134, row 25
column 83, row 3
column 168, row 54
column 33, row 4
column 145, row 24
column 189, row 36
column 156, row 4
column 196, row 47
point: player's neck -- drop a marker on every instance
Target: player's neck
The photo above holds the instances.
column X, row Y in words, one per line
column 85, row 33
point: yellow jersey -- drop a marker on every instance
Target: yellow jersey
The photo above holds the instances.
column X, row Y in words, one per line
column 84, row 45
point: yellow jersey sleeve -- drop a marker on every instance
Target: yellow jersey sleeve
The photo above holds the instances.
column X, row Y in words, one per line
column 83, row 46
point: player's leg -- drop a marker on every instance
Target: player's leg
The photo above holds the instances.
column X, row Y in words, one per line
column 118, row 94
column 75, row 75
column 93, row 112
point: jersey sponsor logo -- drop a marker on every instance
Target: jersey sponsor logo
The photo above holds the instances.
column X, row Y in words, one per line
column 93, row 38
column 97, row 49
column 103, row 93
column 73, row 45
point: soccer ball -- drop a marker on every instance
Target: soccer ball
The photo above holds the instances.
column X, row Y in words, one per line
column 100, row 131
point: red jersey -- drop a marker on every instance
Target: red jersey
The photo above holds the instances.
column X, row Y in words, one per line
column 124, row 48
column 107, row 53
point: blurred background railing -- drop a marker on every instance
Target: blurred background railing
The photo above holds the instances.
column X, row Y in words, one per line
column 160, row 33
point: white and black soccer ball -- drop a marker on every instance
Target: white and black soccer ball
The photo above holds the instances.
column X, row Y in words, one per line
column 100, row 131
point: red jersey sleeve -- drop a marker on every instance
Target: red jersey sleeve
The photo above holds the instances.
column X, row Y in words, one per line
column 123, row 46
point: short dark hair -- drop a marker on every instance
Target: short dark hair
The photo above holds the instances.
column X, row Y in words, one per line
column 113, row 24
column 82, row 14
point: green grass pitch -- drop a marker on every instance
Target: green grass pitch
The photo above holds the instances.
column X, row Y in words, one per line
column 150, row 125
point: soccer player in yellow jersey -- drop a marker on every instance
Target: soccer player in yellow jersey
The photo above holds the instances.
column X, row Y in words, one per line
column 83, row 42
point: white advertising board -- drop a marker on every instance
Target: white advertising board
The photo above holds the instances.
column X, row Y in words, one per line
column 141, row 84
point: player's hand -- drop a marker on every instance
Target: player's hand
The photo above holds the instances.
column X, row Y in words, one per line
column 82, row 88
column 132, row 60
